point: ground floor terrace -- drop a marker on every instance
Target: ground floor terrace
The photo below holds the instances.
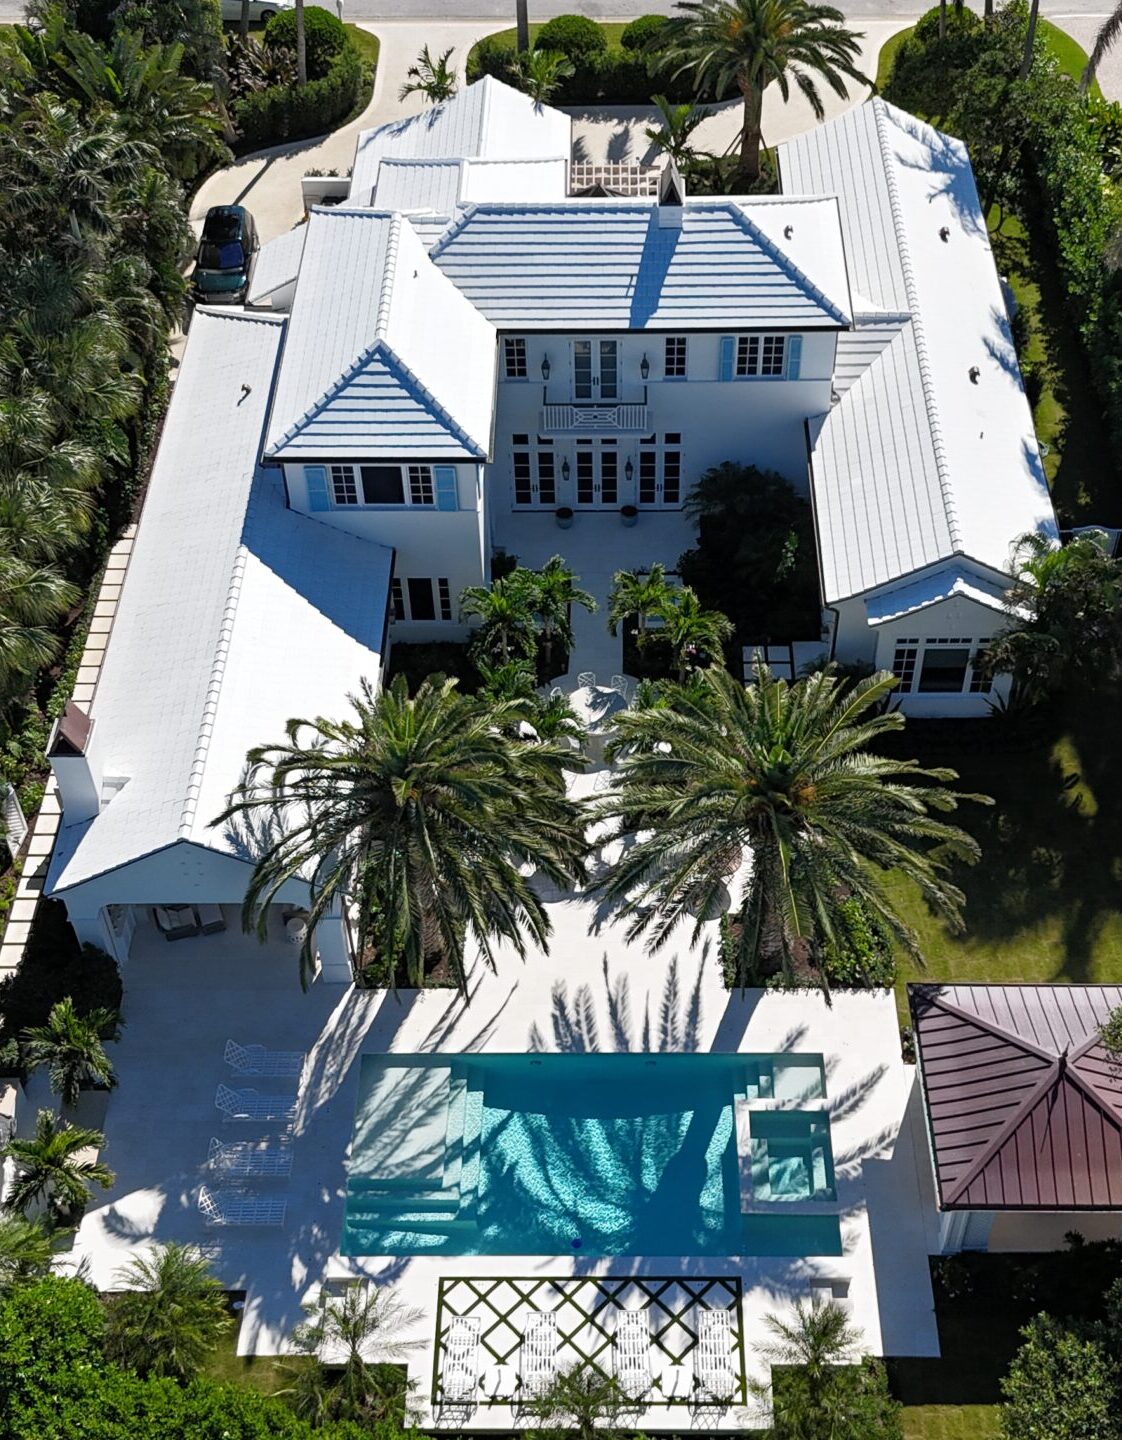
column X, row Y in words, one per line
column 594, row 998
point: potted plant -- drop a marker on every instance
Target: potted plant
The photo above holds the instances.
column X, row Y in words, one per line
column 629, row 514
column 564, row 517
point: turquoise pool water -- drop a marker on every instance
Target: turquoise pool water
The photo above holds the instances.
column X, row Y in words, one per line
column 586, row 1154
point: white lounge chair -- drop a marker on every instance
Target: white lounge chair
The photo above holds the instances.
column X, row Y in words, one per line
column 250, row 1105
column 251, row 1158
column 460, row 1375
column 714, row 1372
column 633, row 1353
column 256, row 1060
column 241, row 1207
column 537, row 1361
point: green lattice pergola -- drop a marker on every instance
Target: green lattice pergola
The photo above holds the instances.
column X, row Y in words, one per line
column 586, row 1307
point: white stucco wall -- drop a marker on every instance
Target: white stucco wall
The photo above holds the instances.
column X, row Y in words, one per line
column 957, row 618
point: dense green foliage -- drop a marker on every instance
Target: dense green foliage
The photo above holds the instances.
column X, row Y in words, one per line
column 325, row 37
column 861, row 955
column 170, row 1316
column 56, row 966
column 282, row 112
column 1065, row 1383
column 642, row 31
column 69, row 1046
column 575, row 36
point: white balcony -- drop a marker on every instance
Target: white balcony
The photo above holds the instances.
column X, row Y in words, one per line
column 594, row 418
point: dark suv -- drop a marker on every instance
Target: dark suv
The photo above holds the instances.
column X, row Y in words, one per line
column 225, row 259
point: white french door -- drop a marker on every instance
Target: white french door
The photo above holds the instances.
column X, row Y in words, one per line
column 597, row 473
column 595, row 370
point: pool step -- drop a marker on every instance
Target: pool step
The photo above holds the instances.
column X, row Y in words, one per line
column 379, row 1202
column 454, row 1130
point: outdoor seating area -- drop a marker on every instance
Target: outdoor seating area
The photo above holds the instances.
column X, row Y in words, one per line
column 262, row 1158
column 666, row 1341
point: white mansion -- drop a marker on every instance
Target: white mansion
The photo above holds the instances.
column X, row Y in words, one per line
column 464, row 342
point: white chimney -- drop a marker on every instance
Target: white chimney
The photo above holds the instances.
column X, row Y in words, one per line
column 72, row 752
column 671, row 198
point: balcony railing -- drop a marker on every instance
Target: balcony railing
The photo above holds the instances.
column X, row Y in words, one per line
column 594, row 417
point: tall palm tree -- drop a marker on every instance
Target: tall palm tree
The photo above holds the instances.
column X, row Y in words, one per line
column 419, row 811
column 25, row 1252
column 672, row 134
column 171, row 1316
column 434, row 79
column 505, row 608
column 52, row 1170
column 639, row 594
column 521, row 26
column 69, row 1045
column 1104, row 40
column 790, row 775
column 541, row 73
column 695, row 635
column 301, row 46
column 751, row 44
column 553, row 593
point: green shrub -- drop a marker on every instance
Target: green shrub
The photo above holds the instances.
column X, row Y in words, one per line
column 493, row 56
column 642, row 31
column 325, row 37
column 862, row 959
column 280, row 113
column 924, row 71
column 574, row 35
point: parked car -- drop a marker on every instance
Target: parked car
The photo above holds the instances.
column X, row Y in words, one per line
column 262, row 11
column 225, row 258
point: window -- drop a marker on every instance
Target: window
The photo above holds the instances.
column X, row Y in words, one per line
column 760, row 355
column 660, row 484
column 944, row 667
column 381, row 485
column 445, row 596
column 420, row 600
column 420, row 484
column 674, row 365
column 904, row 662
column 514, row 359
column 520, row 469
column 547, row 475
column 980, row 682
column 343, row 488
column 397, row 600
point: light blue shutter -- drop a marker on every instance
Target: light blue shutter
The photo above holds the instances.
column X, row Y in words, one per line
column 794, row 356
column 728, row 351
column 446, row 494
column 315, row 477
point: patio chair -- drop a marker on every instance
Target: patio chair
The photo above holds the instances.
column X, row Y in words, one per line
column 241, row 1207
column 242, row 1158
column 256, row 1060
column 176, row 922
column 633, row 1353
column 620, row 686
column 714, row 1372
column 537, row 1360
column 211, row 919
column 250, row 1105
column 460, row 1375
column 587, row 678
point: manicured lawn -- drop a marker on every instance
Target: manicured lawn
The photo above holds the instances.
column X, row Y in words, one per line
column 951, row 1422
column 366, row 44
column 1068, row 52
column 261, row 1373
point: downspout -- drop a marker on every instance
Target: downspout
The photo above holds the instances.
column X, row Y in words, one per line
column 831, row 609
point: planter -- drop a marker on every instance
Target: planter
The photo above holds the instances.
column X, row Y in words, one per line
column 564, row 517
column 628, row 515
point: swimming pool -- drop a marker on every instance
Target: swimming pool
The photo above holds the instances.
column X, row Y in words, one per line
column 583, row 1154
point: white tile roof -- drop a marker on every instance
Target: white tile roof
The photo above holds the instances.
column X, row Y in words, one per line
column 485, row 120
column 607, row 264
column 277, row 265
column 917, row 462
column 946, row 582
column 383, row 357
column 236, row 612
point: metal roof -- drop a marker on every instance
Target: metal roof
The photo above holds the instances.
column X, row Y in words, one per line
column 946, row 582
column 609, row 264
column 1024, row 1106
column 383, row 357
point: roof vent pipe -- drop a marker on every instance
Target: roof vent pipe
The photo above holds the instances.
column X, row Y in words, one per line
column 671, row 198
column 75, row 759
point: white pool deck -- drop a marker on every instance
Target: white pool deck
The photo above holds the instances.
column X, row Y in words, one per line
column 592, row 992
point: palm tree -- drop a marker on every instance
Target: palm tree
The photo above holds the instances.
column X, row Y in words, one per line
column 553, row 593
column 1030, row 43
column 672, row 135
column 522, row 26
column 419, row 811
column 751, row 44
column 555, row 719
column 638, row 593
column 172, row 1315
column 1108, row 34
column 434, row 79
column 362, row 1317
column 791, row 775
column 301, row 46
column 541, row 73
column 513, row 681
column 70, row 1046
column 25, row 1252
column 695, row 635
column 505, row 608
column 52, row 1169
column 32, row 598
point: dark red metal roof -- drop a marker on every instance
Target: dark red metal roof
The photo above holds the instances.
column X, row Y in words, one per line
column 1024, row 1106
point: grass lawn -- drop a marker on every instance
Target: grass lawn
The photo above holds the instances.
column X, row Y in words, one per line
column 261, row 1373
column 951, row 1422
column 1070, row 54
column 365, row 43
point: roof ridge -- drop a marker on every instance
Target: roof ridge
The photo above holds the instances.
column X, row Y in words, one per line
column 453, row 424
column 784, row 260
column 389, row 274
column 934, row 421
column 466, row 212
column 1012, row 1123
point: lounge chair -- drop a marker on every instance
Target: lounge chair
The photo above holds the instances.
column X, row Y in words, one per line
column 714, row 1373
column 250, row 1105
column 633, row 1353
column 243, row 1158
column 256, row 1060
column 176, row 922
column 537, row 1361
column 211, row 919
column 460, row 1376
column 241, row 1207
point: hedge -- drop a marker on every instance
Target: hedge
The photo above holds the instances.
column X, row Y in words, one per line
column 611, row 76
column 576, row 36
column 325, row 37
column 284, row 113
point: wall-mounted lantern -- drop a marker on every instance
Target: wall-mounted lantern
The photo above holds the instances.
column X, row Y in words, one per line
column 545, row 368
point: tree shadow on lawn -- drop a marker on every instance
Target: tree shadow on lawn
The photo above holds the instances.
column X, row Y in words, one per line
column 1051, row 844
